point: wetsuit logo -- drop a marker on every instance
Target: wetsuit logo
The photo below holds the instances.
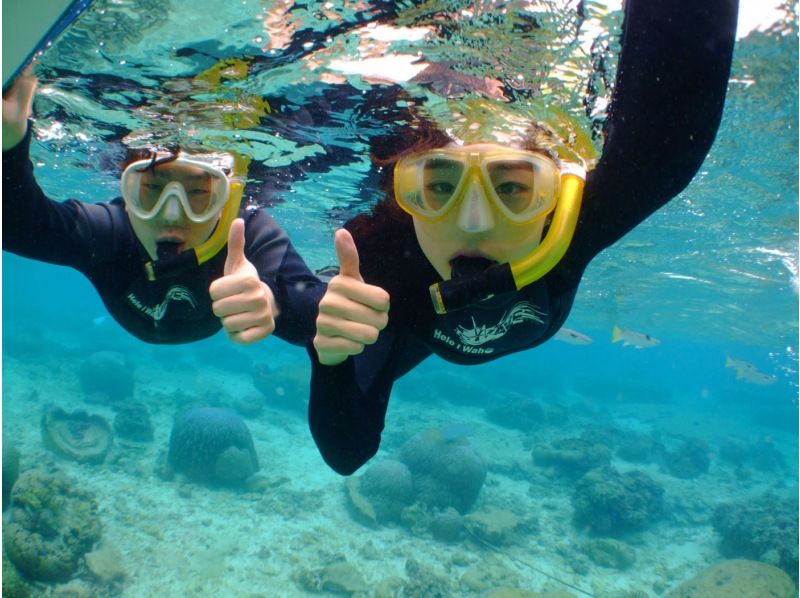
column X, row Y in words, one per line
column 158, row 311
column 479, row 335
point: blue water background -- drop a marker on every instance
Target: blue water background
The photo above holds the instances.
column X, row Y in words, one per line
column 713, row 275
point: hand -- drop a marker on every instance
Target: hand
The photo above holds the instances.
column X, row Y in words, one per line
column 351, row 313
column 241, row 300
column 17, row 105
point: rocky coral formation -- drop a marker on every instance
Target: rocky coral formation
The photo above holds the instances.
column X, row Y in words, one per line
column 132, row 422
column 77, row 435
column 212, row 445
column 14, row 586
column 763, row 529
column 610, row 553
column 447, row 525
column 447, row 471
column 339, row 578
column 10, row 471
column 571, row 456
column 611, row 503
column 740, row 578
column 106, row 377
column 517, row 412
column 762, row 455
column 690, row 460
column 52, row 524
column 498, row 527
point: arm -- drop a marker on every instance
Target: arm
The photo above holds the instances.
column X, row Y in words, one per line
column 665, row 111
column 348, row 401
column 346, row 413
column 352, row 372
column 35, row 226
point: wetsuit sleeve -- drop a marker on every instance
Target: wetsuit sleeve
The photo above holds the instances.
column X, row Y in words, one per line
column 348, row 402
column 297, row 290
column 37, row 227
column 665, row 110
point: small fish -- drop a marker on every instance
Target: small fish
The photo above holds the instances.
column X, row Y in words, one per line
column 572, row 337
column 748, row 372
column 731, row 362
column 635, row 339
column 99, row 320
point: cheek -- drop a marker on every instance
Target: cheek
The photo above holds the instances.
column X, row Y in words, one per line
column 521, row 241
column 435, row 244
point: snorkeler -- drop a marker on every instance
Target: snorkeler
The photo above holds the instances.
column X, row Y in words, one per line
column 478, row 250
column 176, row 258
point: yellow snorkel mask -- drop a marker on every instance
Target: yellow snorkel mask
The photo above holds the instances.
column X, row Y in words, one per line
column 190, row 258
column 553, row 186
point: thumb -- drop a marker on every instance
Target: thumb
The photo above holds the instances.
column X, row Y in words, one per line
column 235, row 247
column 347, row 254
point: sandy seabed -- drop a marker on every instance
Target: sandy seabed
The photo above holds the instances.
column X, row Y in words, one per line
column 178, row 538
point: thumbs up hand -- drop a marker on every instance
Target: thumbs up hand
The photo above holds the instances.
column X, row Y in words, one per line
column 244, row 303
column 351, row 313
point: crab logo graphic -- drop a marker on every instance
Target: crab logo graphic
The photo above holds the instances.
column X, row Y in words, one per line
column 479, row 335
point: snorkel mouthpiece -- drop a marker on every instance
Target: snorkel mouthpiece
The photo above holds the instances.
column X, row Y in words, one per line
column 458, row 293
column 167, row 249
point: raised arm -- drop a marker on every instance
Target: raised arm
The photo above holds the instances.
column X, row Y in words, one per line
column 35, row 226
column 666, row 108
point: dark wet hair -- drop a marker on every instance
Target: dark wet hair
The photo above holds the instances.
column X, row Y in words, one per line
column 135, row 154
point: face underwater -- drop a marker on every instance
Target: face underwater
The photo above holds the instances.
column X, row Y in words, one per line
column 475, row 224
column 176, row 204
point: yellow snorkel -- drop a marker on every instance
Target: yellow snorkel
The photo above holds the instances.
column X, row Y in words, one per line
column 191, row 258
column 558, row 237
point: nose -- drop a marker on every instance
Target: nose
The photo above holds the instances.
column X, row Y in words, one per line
column 172, row 210
column 475, row 213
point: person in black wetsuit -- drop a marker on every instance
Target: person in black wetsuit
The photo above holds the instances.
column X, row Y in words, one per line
column 171, row 260
column 461, row 219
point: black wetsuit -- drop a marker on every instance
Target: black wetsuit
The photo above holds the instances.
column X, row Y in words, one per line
column 97, row 240
column 666, row 108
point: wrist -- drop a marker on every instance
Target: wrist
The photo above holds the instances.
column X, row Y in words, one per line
column 13, row 134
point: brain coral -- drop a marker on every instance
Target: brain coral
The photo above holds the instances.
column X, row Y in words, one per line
column 214, row 445
column 389, row 487
column 446, row 469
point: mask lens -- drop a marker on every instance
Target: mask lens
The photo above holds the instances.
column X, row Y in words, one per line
column 201, row 191
column 440, row 179
column 514, row 183
column 150, row 187
column 525, row 188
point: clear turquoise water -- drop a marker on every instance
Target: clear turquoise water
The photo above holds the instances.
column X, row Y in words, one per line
column 714, row 274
